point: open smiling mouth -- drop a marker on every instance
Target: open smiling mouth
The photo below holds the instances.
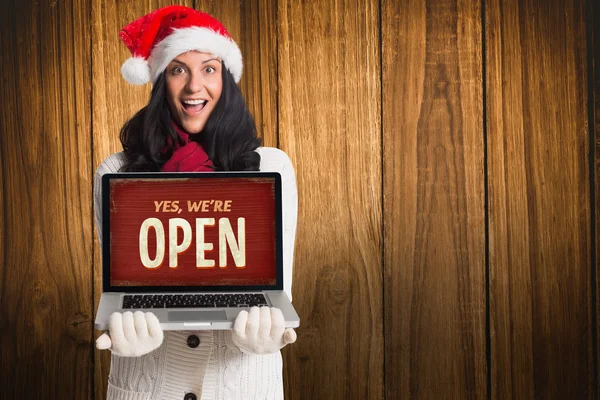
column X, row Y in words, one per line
column 194, row 106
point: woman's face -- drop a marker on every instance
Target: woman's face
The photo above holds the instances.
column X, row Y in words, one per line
column 194, row 86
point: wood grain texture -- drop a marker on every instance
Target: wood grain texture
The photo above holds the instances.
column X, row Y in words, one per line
column 593, row 46
column 313, row 82
column 539, row 208
column 433, row 200
column 329, row 124
column 115, row 102
column 252, row 25
column 45, row 289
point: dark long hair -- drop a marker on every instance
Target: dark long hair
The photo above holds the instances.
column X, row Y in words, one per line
column 229, row 136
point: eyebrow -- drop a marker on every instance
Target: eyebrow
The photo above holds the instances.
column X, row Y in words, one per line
column 203, row 62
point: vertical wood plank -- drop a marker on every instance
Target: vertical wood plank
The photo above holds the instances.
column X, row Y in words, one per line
column 433, row 200
column 45, row 289
column 539, row 208
column 329, row 124
column 259, row 83
column 114, row 102
column 593, row 46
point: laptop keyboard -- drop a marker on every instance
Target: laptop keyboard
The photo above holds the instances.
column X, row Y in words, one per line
column 194, row 300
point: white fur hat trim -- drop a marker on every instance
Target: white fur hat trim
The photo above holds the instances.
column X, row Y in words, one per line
column 194, row 38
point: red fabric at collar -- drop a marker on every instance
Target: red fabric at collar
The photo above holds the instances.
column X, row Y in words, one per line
column 188, row 156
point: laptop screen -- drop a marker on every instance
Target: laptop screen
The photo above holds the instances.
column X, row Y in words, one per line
column 201, row 230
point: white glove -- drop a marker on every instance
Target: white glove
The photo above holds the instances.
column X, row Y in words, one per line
column 131, row 334
column 262, row 331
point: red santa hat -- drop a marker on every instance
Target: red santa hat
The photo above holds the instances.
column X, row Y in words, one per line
column 157, row 38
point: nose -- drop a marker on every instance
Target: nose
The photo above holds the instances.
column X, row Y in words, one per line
column 195, row 82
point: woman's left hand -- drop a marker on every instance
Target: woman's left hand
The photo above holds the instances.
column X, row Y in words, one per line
column 261, row 331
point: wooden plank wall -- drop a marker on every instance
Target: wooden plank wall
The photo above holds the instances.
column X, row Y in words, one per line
column 447, row 155
column 540, row 247
column 434, row 200
column 593, row 46
column 329, row 124
column 45, row 228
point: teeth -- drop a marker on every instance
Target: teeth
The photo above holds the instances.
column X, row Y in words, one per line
column 194, row 102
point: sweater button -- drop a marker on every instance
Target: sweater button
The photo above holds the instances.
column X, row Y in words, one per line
column 189, row 396
column 193, row 341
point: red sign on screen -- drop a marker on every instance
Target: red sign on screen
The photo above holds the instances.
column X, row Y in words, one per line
column 192, row 232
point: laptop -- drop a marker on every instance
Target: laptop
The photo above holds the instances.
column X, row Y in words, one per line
column 194, row 248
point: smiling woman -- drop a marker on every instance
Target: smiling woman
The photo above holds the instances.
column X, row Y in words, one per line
column 194, row 86
column 172, row 119
column 196, row 120
column 190, row 59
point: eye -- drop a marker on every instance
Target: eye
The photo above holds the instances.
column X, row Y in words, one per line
column 209, row 69
column 177, row 70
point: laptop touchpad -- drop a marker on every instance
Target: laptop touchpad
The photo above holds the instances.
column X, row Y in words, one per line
column 187, row 316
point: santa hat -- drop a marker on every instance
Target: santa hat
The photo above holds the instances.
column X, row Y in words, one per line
column 157, row 38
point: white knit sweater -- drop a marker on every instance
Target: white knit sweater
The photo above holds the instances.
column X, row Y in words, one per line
column 216, row 369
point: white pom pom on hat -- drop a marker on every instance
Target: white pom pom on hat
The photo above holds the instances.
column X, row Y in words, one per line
column 136, row 71
column 157, row 38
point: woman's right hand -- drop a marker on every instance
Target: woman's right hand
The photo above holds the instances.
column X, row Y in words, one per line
column 131, row 334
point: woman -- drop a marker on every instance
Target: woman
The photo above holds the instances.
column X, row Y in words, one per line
column 196, row 120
